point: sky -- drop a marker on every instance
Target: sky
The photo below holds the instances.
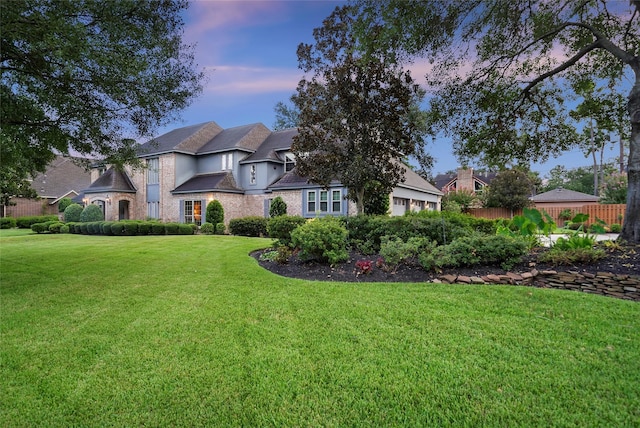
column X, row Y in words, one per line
column 248, row 51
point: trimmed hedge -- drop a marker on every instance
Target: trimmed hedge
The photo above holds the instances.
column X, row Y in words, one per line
column 8, row 223
column 91, row 213
column 279, row 228
column 25, row 222
column 72, row 213
column 248, row 226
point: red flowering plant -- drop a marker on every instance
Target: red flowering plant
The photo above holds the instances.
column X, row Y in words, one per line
column 364, row 267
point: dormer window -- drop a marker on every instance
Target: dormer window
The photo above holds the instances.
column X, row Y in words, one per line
column 289, row 161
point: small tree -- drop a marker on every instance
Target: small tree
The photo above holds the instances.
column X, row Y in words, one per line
column 458, row 200
column 215, row 212
column 91, row 213
column 510, row 189
column 63, row 204
column 72, row 213
column 614, row 189
column 278, row 207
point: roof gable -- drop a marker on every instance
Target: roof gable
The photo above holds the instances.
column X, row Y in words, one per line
column 275, row 142
column 247, row 137
column 220, row 181
column 63, row 176
column 188, row 139
column 564, row 195
column 112, row 180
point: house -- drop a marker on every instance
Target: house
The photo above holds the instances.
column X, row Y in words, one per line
column 244, row 168
column 65, row 177
column 464, row 179
column 564, row 198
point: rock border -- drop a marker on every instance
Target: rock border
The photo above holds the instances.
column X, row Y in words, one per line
column 625, row 287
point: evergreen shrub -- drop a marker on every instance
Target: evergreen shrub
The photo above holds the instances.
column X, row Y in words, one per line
column 215, row 212
column 106, row 228
column 144, row 228
column 323, row 239
column 91, row 212
column 207, row 228
column 8, row 223
column 185, row 229
column 158, row 228
column 130, row 228
column 64, row 228
column 172, row 228
column 117, row 228
column 248, row 226
column 63, row 204
column 279, row 228
column 278, row 207
column 221, row 229
column 25, row 222
column 72, row 213
column 55, row 226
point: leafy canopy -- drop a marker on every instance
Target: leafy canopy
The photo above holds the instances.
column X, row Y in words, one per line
column 502, row 71
column 89, row 77
column 358, row 116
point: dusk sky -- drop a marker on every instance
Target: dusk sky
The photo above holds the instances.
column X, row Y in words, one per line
column 248, row 50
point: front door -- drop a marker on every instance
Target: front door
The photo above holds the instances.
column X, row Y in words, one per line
column 123, row 210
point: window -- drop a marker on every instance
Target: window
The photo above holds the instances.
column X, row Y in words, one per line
column 311, row 201
column 193, row 212
column 289, row 161
column 336, row 201
column 252, row 174
column 227, row 161
column 153, row 209
column 478, row 187
column 153, row 171
column 318, row 200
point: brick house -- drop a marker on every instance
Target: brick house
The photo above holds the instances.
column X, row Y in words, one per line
column 464, row 179
column 244, row 168
column 65, row 177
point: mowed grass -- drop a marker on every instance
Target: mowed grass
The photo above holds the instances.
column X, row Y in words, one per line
column 190, row 331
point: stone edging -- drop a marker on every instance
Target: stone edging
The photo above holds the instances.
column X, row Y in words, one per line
column 603, row 283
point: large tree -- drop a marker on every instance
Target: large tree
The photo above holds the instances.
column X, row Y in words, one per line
column 88, row 77
column 511, row 189
column 502, row 71
column 357, row 115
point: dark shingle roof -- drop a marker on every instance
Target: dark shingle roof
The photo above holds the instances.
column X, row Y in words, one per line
column 247, row 137
column 220, row 181
column 564, row 195
column 188, row 139
column 277, row 141
column 62, row 176
column 414, row 181
column 112, row 180
column 441, row 180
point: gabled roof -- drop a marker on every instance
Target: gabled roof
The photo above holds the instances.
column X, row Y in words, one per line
column 414, row 181
column 188, row 139
column 564, row 195
column 247, row 138
column 63, row 176
column 444, row 180
column 112, row 180
column 220, row 181
column 276, row 142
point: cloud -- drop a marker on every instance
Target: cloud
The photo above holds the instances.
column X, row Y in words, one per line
column 236, row 79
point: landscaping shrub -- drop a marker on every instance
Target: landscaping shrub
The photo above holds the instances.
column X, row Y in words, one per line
column 55, row 227
column 248, row 226
column 172, row 228
column 94, row 227
column 558, row 256
column 207, row 228
column 279, row 228
column 65, row 228
column 84, row 228
column 215, row 212
column 278, row 207
column 106, row 228
column 616, row 228
column 8, row 223
column 130, row 228
column 221, row 229
column 117, row 228
column 185, row 229
column 144, row 228
column 25, row 222
column 322, row 239
column 395, row 251
column 158, row 229
column 63, row 204
column 72, row 213
column 40, row 227
column 476, row 249
column 91, row 212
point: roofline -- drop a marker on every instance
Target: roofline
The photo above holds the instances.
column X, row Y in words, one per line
column 184, row 192
column 104, row 190
column 422, row 190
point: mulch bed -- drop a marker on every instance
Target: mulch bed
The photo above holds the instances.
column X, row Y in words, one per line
column 623, row 260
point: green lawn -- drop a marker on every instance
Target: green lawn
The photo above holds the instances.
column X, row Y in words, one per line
column 189, row 331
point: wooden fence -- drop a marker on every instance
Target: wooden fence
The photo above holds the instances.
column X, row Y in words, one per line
column 609, row 213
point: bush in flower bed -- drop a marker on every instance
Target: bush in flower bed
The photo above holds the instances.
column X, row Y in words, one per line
column 279, row 228
column 55, row 227
column 72, row 213
column 323, row 239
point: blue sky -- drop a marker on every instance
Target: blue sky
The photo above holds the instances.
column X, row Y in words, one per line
column 248, row 51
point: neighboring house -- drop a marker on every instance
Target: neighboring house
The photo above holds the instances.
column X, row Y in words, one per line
column 65, row 177
column 564, row 198
column 243, row 167
column 464, row 179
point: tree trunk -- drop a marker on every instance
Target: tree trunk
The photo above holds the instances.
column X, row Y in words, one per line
column 631, row 225
column 359, row 201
